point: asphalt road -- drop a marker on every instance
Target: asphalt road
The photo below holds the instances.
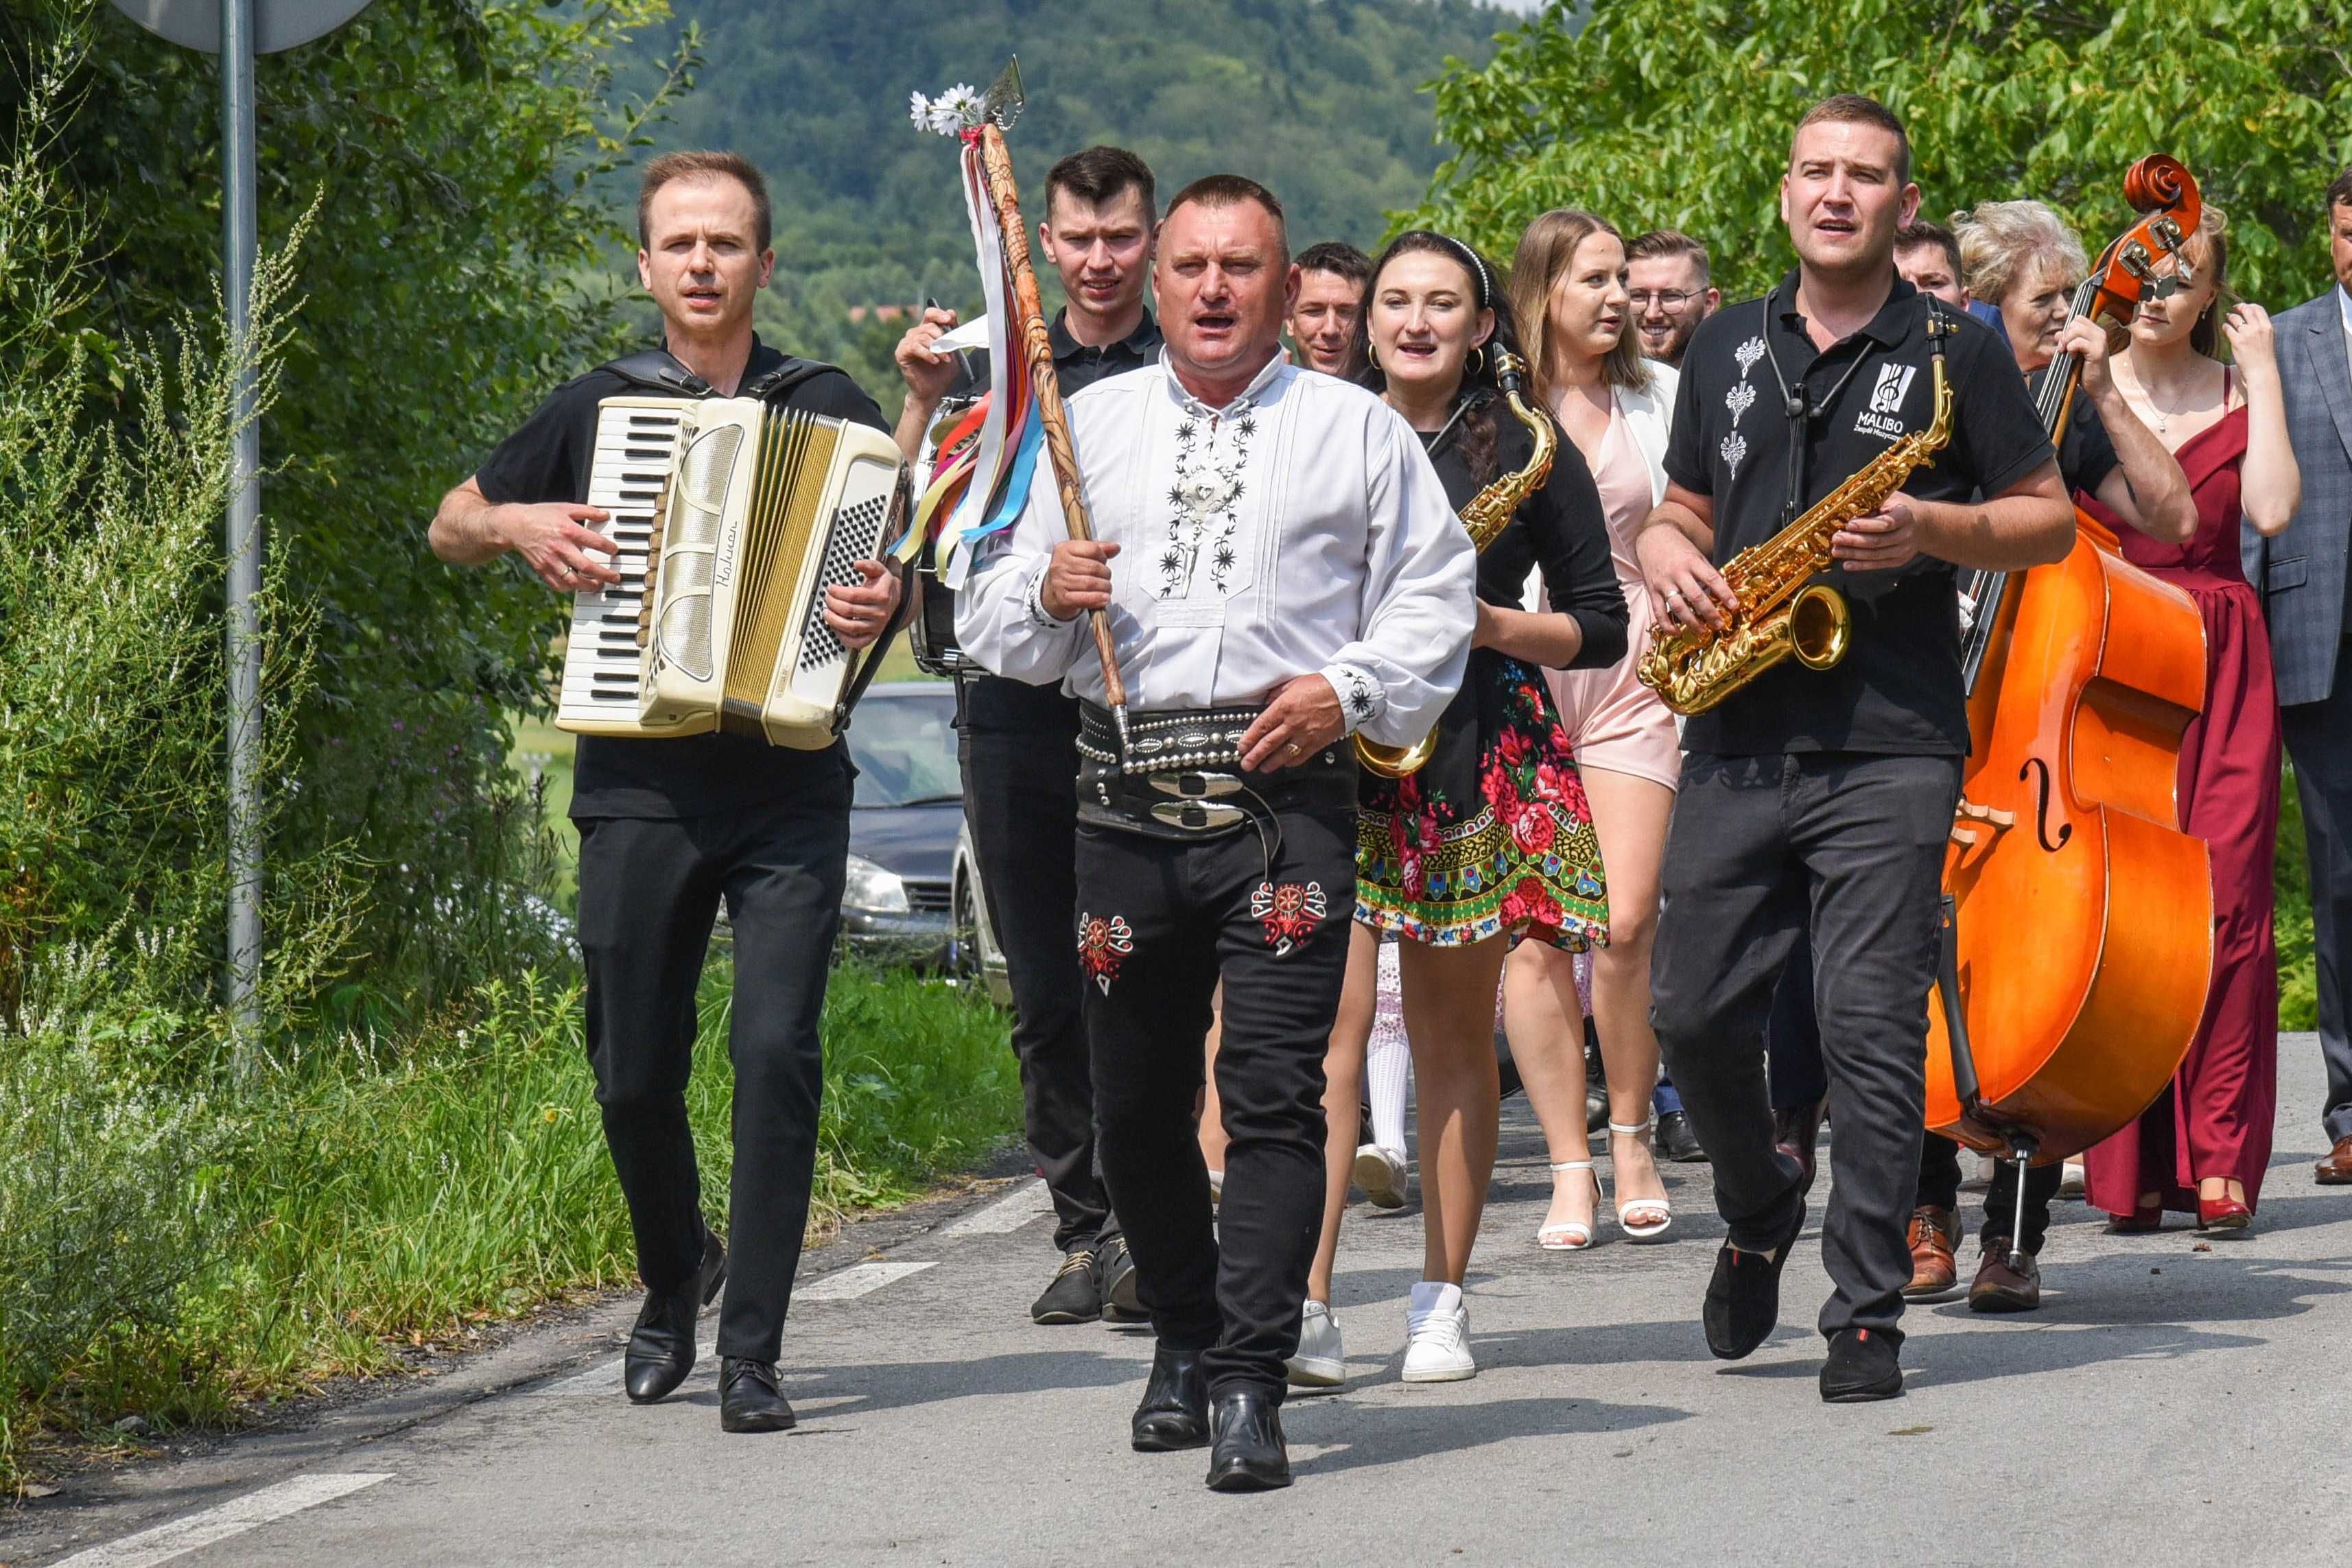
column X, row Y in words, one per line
column 2170, row 1404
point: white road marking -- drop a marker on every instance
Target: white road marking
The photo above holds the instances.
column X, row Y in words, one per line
column 852, row 1283
column 1007, row 1214
column 233, row 1517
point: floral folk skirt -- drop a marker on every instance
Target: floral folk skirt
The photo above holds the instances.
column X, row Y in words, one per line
column 1492, row 836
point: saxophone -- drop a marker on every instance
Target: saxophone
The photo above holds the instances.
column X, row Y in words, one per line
column 1488, row 513
column 1782, row 612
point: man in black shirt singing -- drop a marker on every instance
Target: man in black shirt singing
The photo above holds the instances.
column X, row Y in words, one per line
column 668, row 827
column 1020, row 742
column 1820, row 801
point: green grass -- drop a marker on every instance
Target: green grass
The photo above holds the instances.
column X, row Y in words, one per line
column 2291, row 882
column 350, row 1207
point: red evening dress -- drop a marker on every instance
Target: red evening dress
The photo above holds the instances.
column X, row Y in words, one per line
column 2214, row 1118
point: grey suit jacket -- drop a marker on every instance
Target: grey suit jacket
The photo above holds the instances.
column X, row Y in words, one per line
column 2300, row 573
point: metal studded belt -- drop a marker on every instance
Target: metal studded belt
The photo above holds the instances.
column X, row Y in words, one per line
column 1167, row 741
column 1180, row 776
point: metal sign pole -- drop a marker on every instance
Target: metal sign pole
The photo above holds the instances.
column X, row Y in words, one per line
column 238, row 223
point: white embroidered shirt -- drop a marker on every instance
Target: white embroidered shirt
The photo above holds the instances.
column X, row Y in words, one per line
column 1300, row 530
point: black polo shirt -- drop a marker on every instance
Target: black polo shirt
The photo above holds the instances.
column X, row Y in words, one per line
column 993, row 703
column 1898, row 690
column 1077, row 366
column 549, row 459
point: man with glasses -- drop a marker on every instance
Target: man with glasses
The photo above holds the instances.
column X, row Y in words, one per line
column 1666, row 282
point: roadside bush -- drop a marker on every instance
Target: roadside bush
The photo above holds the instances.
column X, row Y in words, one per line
column 169, row 1254
column 107, row 1212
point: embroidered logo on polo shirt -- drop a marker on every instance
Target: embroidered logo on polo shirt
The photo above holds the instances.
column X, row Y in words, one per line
column 1879, row 418
column 1733, row 448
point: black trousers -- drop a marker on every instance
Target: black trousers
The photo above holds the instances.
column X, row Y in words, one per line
column 1939, row 1184
column 2319, row 741
column 1159, row 922
column 1793, row 1035
column 1019, row 748
column 1850, row 847
column 649, row 891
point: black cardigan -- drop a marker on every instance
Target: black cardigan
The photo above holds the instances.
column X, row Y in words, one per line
column 1561, row 530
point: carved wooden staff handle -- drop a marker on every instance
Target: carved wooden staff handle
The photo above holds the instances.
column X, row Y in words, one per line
column 1037, row 345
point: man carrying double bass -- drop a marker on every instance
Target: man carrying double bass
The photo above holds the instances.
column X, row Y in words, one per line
column 1820, row 801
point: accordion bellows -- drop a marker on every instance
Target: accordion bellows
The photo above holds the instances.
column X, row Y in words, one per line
column 730, row 519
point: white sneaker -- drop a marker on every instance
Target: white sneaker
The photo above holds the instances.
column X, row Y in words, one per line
column 1381, row 1173
column 1320, row 1362
column 1437, row 1335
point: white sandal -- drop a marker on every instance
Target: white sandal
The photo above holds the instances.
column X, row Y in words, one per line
column 1556, row 1238
column 1660, row 1206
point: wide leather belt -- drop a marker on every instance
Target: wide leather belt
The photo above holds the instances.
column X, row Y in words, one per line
column 1179, row 775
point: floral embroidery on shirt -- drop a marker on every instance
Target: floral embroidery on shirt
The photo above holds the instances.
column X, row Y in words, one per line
column 1739, row 399
column 1733, row 448
column 1289, row 912
column 1747, row 353
column 1358, row 693
column 1212, row 451
column 1105, row 942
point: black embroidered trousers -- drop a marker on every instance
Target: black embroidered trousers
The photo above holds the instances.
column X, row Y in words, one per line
column 1159, row 920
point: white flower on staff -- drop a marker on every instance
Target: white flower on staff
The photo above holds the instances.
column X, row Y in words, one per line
column 956, row 109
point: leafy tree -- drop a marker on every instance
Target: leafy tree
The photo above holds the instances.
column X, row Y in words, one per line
column 452, row 153
column 1317, row 98
column 1677, row 114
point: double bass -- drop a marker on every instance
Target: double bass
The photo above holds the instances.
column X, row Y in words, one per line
column 2078, row 917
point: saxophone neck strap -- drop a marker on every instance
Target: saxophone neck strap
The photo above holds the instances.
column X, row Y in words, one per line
column 1802, row 412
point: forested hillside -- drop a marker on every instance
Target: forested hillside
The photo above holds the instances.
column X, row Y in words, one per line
column 1317, row 98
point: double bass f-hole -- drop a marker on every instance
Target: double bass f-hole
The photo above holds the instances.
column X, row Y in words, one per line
column 2039, row 771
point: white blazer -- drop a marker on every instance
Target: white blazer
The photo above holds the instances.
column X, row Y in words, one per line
column 1648, row 415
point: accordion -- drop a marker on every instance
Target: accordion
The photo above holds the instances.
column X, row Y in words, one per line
column 731, row 518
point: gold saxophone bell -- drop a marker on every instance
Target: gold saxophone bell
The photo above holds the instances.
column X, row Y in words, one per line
column 1485, row 517
column 1820, row 626
column 1395, row 761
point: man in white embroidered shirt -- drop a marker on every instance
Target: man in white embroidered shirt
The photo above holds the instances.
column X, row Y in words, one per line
column 1281, row 569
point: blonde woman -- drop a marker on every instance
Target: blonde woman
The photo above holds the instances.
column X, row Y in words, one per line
column 1567, row 286
column 2202, row 1147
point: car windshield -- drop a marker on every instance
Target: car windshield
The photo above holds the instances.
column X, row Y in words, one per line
column 903, row 744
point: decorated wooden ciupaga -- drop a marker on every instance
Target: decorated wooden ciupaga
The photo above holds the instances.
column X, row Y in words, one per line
column 2078, row 931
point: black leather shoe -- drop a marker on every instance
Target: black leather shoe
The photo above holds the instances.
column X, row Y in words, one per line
column 1677, row 1142
column 1743, row 1299
column 1247, row 1453
column 1175, row 1412
column 661, row 1346
column 1122, row 1300
column 1862, row 1368
column 1075, row 1294
column 749, row 1399
column 1798, row 1132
